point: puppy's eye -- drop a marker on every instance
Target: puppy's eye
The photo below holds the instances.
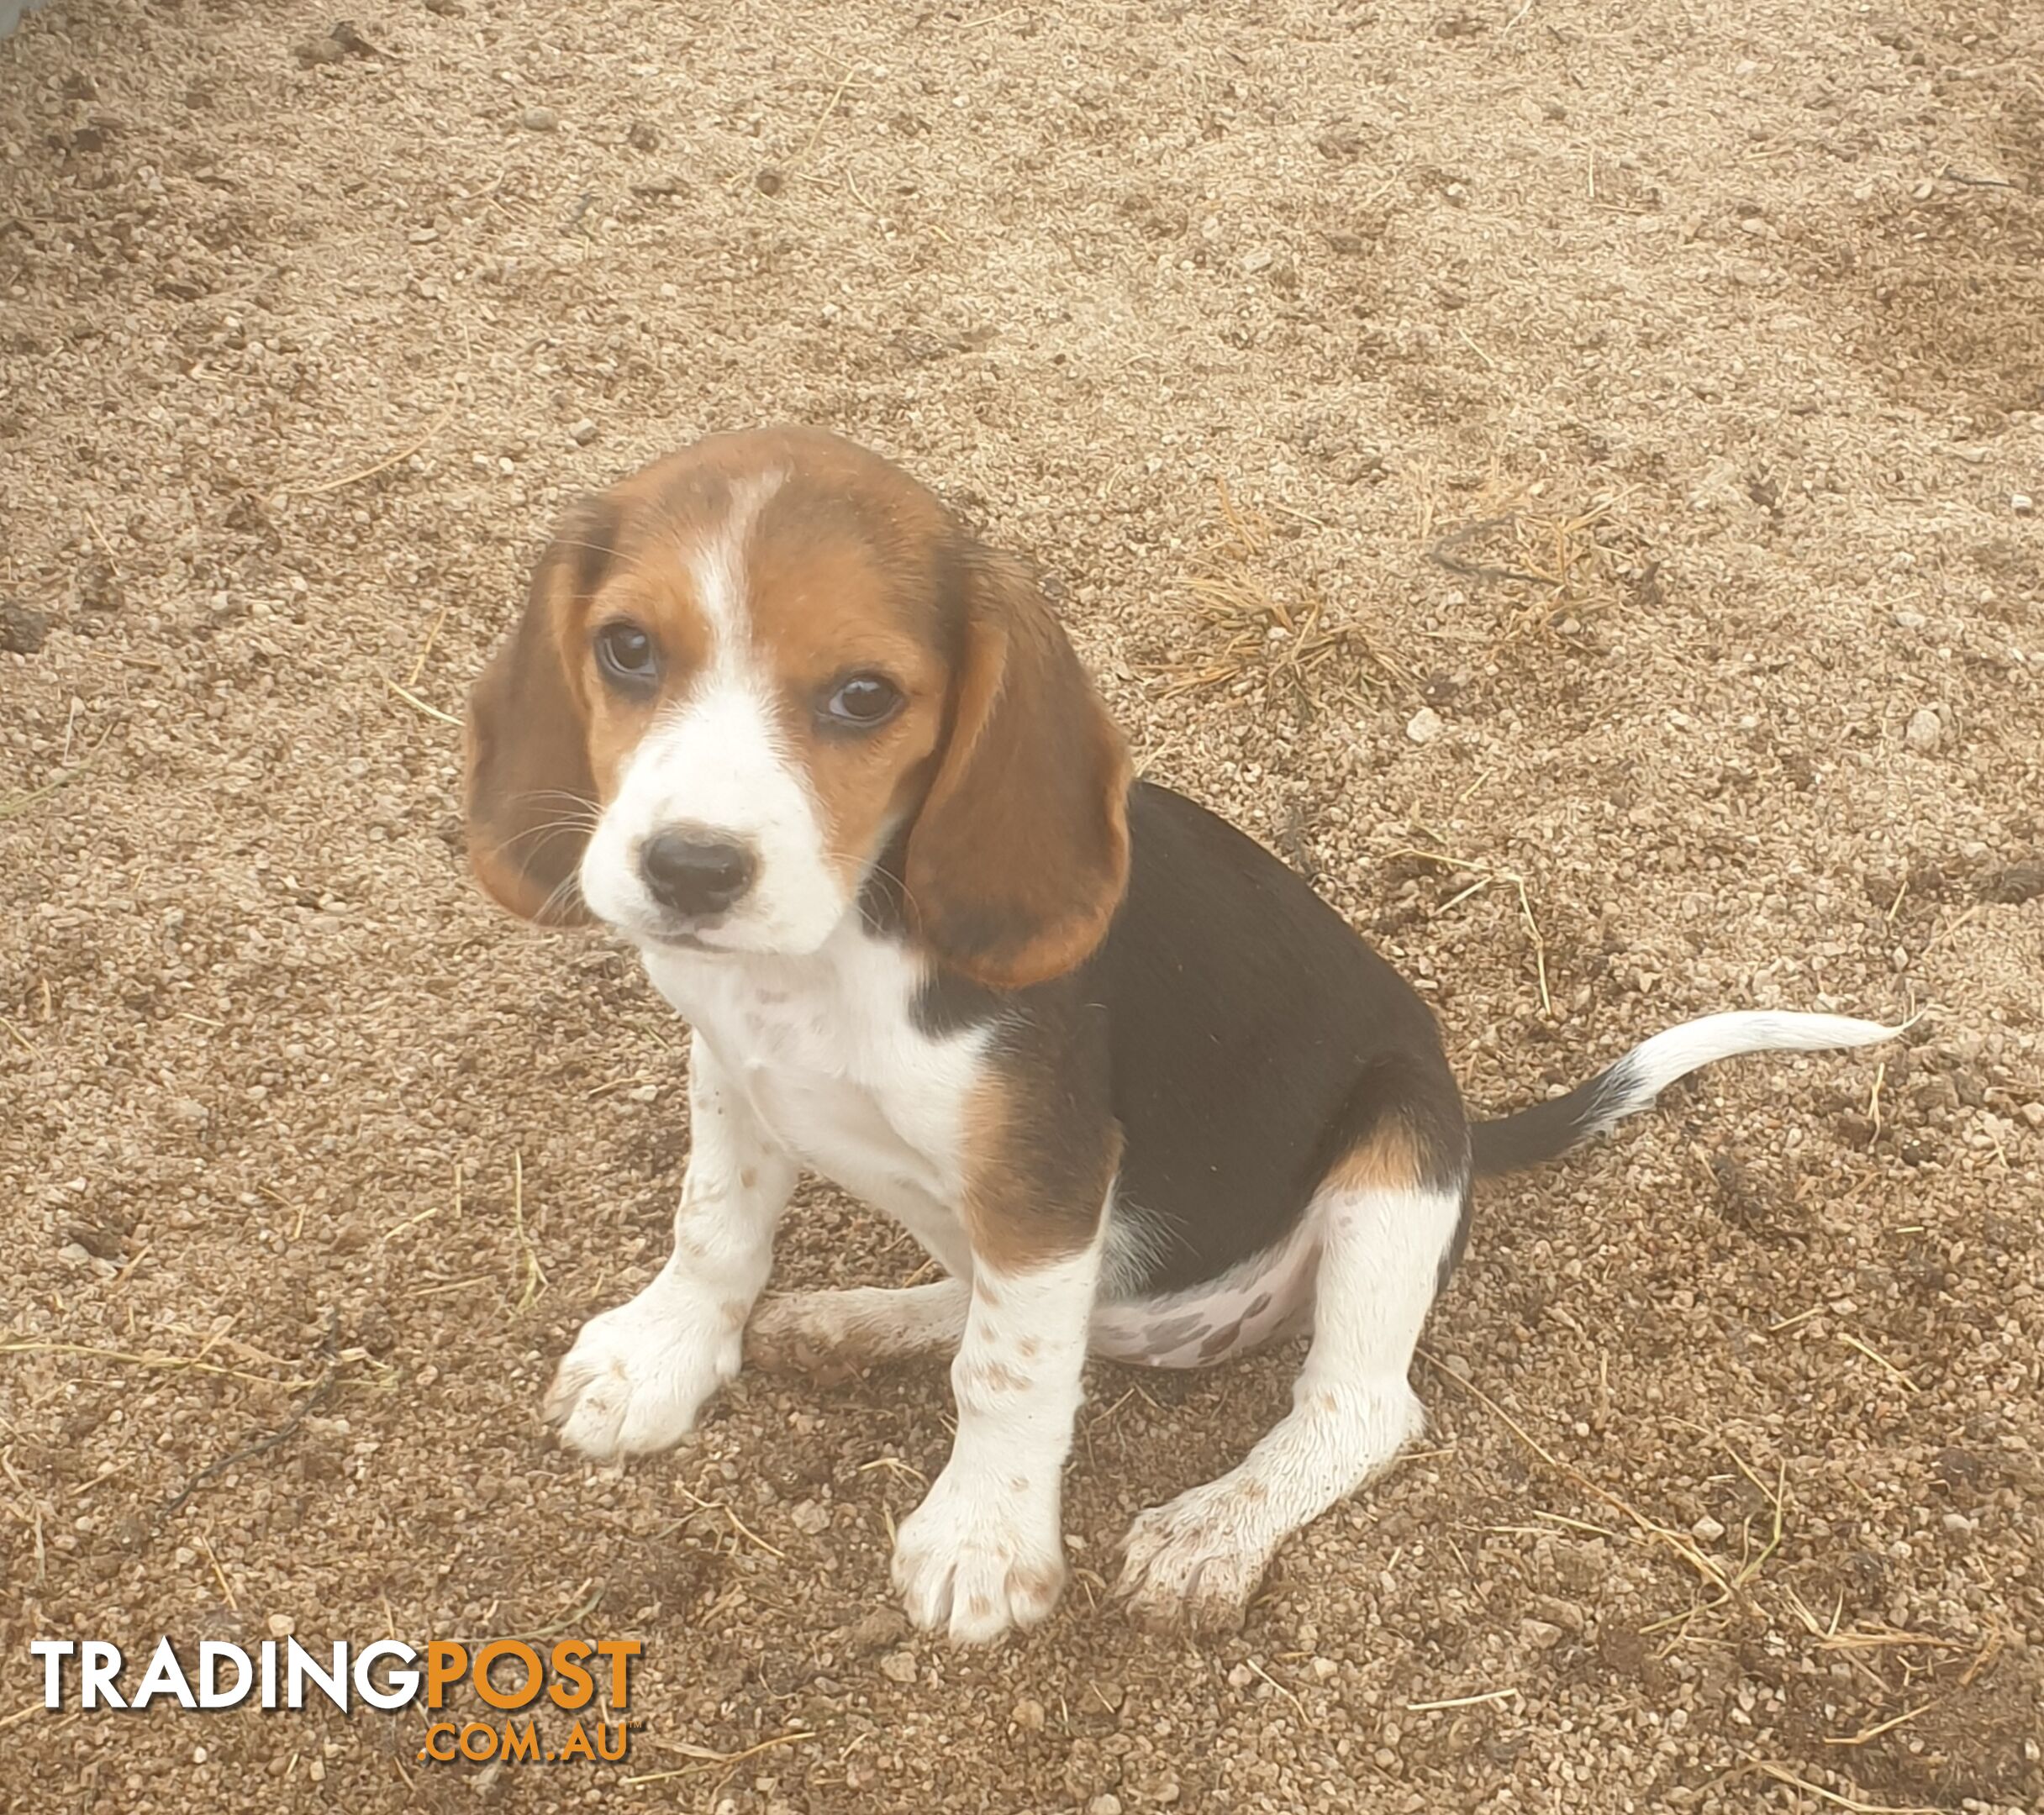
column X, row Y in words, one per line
column 625, row 654
column 862, row 702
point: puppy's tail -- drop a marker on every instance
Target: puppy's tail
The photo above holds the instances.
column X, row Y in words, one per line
column 1551, row 1128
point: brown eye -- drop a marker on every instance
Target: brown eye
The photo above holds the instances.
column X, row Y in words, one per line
column 862, row 702
column 626, row 655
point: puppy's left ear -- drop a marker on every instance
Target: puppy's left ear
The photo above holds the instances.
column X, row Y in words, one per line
column 1020, row 853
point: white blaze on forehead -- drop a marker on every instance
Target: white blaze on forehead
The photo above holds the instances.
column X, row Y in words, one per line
column 717, row 763
column 718, row 566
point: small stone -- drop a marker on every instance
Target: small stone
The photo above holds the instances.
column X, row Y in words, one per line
column 96, row 1239
column 582, row 433
column 1027, row 1715
column 1909, row 620
column 2022, row 504
column 645, row 136
column 883, row 1627
column 1708, row 1529
column 1325, row 1669
column 1109, row 1804
column 809, row 1518
column 23, row 629
column 1925, row 732
column 74, row 1256
column 539, row 120
column 2019, row 882
column 281, row 1625
column 314, row 50
column 769, row 181
column 1543, row 1635
column 1241, row 1677
column 1424, row 725
column 1458, row 1365
column 899, row 1666
column 643, row 1093
column 2033, row 1113
column 99, row 587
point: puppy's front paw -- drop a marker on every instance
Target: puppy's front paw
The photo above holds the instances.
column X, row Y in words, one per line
column 977, row 1558
column 638, row 1375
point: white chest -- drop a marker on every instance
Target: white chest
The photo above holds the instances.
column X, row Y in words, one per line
column 826, row 1052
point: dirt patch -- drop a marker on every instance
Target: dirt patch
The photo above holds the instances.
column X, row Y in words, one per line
column 1599, row 385
column 1948, row 278
column 1951, row 292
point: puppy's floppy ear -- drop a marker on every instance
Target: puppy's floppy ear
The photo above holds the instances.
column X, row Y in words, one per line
column 1020, row 855
column 530, row 796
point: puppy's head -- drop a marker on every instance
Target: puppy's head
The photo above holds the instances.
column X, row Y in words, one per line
column 756, row 669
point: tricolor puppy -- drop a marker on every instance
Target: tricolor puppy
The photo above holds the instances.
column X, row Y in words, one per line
column 833, row 768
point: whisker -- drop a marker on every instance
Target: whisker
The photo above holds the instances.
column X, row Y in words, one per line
column 565, row 794
column 566, row 893
column 545, row 830
column 579, row 813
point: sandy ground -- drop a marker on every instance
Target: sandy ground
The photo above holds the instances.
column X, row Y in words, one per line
column 1284, row 336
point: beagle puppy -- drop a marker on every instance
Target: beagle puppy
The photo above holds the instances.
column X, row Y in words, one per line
column 832, row 766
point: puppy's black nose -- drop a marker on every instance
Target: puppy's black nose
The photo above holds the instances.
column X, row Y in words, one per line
column 695, row 875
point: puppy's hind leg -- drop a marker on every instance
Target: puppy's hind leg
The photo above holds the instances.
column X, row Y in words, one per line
column 1386, row 1231
column 835, row 1335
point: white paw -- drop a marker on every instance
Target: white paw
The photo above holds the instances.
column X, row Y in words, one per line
column 639, row 1375
column 977, row 1558
column 1197, row 1562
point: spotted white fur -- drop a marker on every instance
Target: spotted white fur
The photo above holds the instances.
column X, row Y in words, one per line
column 639, row 1375
column 1219, row 1318
column 985, row 1550
column 1200, row 1557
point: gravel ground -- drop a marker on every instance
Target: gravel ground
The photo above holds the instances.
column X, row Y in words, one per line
column 1560, row 474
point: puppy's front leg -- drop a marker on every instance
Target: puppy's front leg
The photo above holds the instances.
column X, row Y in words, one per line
column 985, row 1550
column 640, row 1373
